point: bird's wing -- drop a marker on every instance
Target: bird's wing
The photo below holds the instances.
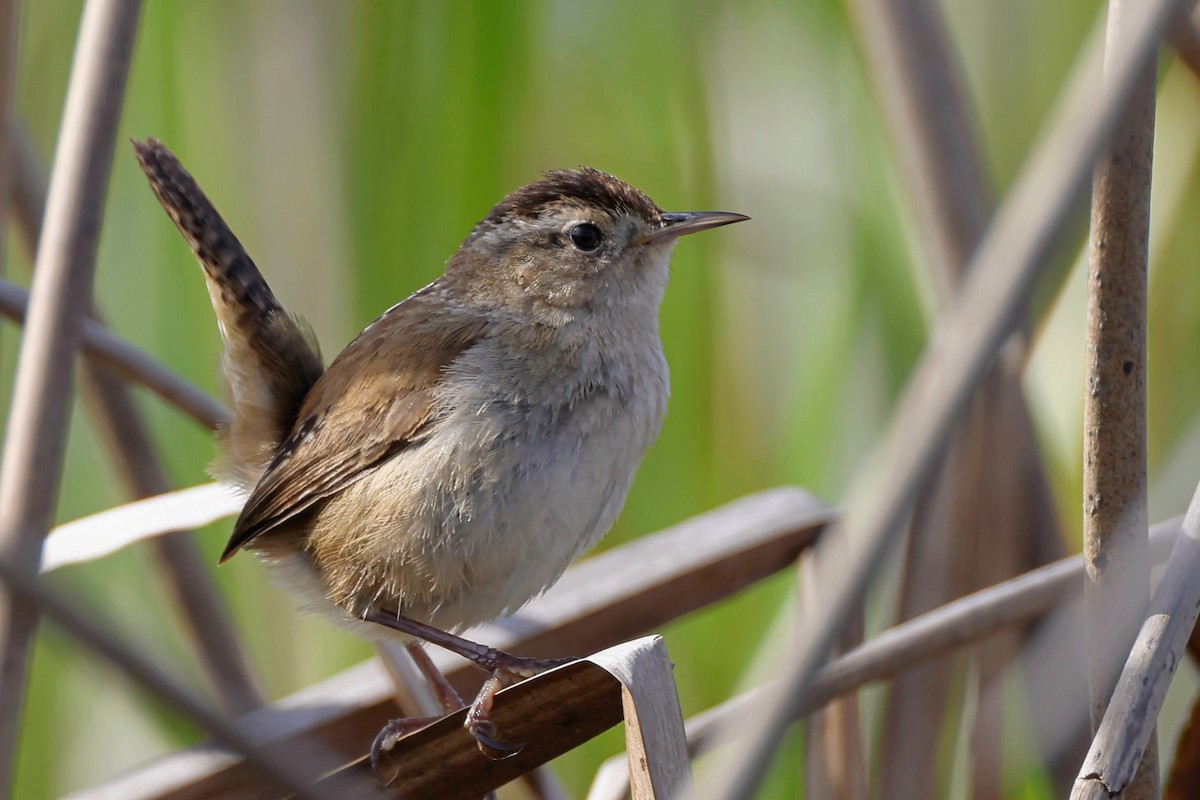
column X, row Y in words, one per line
column 375, row 399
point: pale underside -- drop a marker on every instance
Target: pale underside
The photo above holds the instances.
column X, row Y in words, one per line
column 470, row 521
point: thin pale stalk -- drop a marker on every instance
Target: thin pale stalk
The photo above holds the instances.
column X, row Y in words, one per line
column 35, row 441
column 1004, row 270
column 1005, row 502
column 920, row 92
column 9, row 27
column 124, row 433
column 934, row 574
column 1114, row 408
column 920, row 85
column 979, row 615
column 921, row 89
column 834, row 761
column 193, row 592
column 1118, row 759
column 128, row 363
column 99, row 344
column 284, row 775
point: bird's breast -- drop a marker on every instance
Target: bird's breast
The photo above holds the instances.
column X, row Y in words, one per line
column 553, row 449
column 525, row 468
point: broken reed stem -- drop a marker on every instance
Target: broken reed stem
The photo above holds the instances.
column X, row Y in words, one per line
column 35, row 441
column 1115, row 519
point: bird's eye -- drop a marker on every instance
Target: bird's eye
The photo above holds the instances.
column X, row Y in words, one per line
column 585, row 236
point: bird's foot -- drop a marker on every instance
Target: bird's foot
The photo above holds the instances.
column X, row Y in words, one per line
column 479, row 719
column 393, row 732
column 507, row 670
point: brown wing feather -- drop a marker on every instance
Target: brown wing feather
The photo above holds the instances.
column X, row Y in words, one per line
column 372, row 402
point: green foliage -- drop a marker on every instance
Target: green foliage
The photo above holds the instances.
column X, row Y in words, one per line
column 352, row 145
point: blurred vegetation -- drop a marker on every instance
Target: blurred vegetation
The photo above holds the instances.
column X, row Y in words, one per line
column 352, row 146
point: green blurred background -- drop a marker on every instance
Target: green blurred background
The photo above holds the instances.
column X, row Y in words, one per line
column 352, row 145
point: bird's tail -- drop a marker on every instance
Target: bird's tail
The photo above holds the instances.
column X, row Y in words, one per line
column 270, row 362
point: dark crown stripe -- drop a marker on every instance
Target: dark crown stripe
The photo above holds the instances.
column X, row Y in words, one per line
column 585, row 186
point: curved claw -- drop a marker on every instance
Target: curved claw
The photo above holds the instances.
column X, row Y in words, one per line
column 392, row 732
column 383, row 742
column 484, row 732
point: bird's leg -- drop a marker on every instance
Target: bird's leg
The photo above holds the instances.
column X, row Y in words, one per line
column 397, row 729
column 447, row 696
column 488, row 659
column 505, row 670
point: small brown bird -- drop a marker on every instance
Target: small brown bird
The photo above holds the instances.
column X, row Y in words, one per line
column 471, row 441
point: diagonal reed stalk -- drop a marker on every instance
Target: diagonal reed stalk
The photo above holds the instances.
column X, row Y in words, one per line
column 987, row 512
column 968, row 336
column 125, row 434
column 1014, row 602
column 35, row 441
column 1118, row 756
column 283, row 774
column 128, row 362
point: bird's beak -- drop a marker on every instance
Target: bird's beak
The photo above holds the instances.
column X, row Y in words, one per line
column 681, row 223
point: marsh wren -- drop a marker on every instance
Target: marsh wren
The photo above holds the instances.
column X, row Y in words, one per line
column 474, row 439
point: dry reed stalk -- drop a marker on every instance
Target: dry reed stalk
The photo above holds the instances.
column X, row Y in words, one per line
column 10, row 18
column 918, row 84
column 835, row 761
column 35, row 441
column 1114, row 425
column 967, row 338
column 128, row 362
column 288, row 775
column 984, row 613
column 123, row 432
column 982, row 518
column 1117, row 759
